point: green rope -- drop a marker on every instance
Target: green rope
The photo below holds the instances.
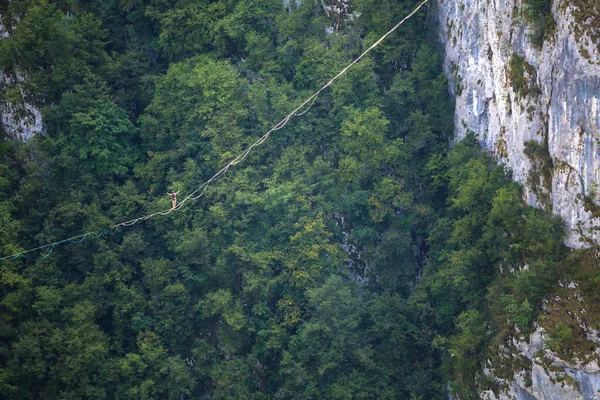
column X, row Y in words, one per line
column 82, row 239
column 52, row 246
column 50, row 252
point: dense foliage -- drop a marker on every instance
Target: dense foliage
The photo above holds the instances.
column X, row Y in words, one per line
column 352, row 256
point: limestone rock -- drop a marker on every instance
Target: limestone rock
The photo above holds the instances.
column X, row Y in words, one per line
column 19, row 119
column 555, row 102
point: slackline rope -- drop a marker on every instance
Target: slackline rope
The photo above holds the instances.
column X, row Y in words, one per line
column 201, row 190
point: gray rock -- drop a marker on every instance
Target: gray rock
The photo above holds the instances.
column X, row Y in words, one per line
column 562, row 109
column 21, row 121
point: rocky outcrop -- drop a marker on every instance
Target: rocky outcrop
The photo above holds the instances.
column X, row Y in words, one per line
column 18, row 118
column 512, row 89
column 560, row 360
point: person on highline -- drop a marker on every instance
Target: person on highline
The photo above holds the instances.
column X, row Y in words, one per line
column 173, row 198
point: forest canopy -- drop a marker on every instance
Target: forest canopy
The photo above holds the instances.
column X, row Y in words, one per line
column 356, row 255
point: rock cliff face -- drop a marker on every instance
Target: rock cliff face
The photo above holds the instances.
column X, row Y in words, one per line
column 533, row 101
column 18, row 118
column 511, row 88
